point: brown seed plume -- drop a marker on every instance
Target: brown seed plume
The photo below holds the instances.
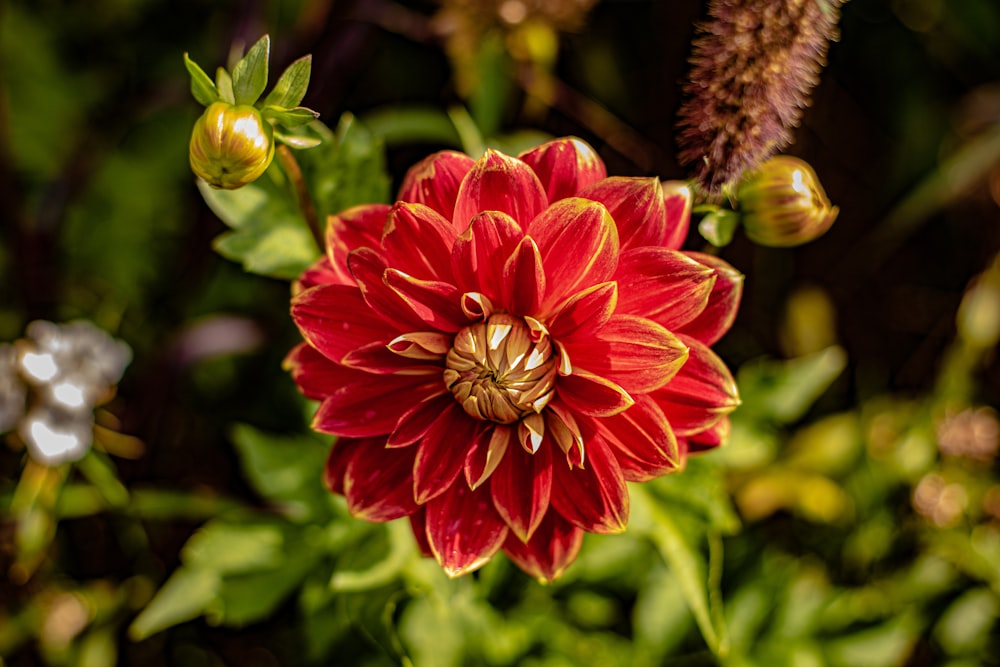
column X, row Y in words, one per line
column 753, row 66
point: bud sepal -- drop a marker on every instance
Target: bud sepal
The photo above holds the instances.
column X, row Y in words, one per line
column 233, row 142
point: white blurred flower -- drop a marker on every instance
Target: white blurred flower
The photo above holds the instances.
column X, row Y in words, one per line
column 78, row 351
column 50, row 382
column 54, row 436
column 39, row 367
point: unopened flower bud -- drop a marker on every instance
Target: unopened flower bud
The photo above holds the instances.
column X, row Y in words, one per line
column 231, row 146
column 783, row 203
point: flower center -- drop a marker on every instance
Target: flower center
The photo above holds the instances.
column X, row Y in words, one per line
column 502, row 369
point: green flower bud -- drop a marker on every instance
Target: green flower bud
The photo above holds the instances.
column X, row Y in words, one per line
column 783, row 204
column 231, row 145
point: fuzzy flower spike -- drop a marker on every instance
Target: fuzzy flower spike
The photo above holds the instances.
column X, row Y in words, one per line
column 753, row 68
column 507, row 345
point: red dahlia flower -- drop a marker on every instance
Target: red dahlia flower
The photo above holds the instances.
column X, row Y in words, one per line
column 507, row 345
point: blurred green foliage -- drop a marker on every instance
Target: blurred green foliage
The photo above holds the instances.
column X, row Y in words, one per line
column 853, row 519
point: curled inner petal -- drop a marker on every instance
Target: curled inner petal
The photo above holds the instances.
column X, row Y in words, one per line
column 501, row 369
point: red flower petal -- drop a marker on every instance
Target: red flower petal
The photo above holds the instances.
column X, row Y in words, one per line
column 565, row 166
column 442, row 452
column 562, row 428
column 435, row 303
column 498, row 182
column 435, row 180
column 663, row 285
column 368, row 405
column 594, row 497
column 415, row 422
column 315, row 375
column 642, row 441
column 584, row 259
column 637, row 354
column 341, row 454
column 378, row 482
column 320, row 273
column 421, row 345
column 379, row 359
column 592, row 395
column 552, row 548
column 701, row 393
column 677, row 199
column 723, row 302
column 479, row 253
column 335, row 320
column 464, row 531
column 636, row 204
column 418, row 524
column 486, row 454
column 585, row 312
column 579, row 246
column 716, row 436
column 523, row 279
column 521, row 486
column 417, row 241
column 357, row 227
column 369, row 268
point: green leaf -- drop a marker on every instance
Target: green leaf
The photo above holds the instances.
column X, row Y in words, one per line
column 234, row 574
column 965, row 626
column 298, row 141
column 224, row 84
column 185, row 595
column 701, row 490
column 323, row 628
column 719, row 226
column 470, row 136
column 487, row 100
column 783, row 390
column 98, row 647
column 433, row 633
column 166, row 504
column 232, row 548
column 292, row 85
column 250, row 73
column 202, row 86
column 413, row 124
column 697, row 579
column 290, row 117
column 269, row 236
column 283, row 252
column 807, row 592
column 382, row 571
column 748, row 611
column 660, row 617
column 885, row 645
column 253, row 596
column 100, row 471
column 285, row 470
column 347, row 171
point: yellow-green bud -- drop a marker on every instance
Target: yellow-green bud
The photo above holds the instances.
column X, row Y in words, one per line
column 783, row 204
column 231, row 145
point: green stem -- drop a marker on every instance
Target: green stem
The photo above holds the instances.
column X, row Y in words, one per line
column 669, row 540
column 291, row 168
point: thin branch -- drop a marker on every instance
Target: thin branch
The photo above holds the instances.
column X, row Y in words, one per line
column 294, row 173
